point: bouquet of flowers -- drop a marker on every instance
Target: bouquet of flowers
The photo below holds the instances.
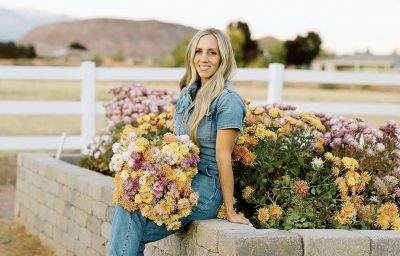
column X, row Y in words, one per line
column 154, row 172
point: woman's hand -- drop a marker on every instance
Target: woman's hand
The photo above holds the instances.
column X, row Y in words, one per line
column 233, row 217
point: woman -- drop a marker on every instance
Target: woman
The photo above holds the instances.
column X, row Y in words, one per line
column 211, row 111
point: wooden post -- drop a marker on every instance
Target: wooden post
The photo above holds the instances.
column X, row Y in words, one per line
column 275, row 83
column 88, row 101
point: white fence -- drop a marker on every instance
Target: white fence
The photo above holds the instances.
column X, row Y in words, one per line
column 88, row 74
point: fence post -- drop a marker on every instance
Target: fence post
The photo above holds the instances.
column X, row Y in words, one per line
column 88, row 103
column 275, row 83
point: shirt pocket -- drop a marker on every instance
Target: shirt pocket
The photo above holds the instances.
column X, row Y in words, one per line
column 204, row 131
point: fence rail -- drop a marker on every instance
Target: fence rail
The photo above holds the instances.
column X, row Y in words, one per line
column 87, row 107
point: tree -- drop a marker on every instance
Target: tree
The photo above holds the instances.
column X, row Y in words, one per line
column 246, row 50
column 10, row 50
column 302, row 50
column 77, row 46
column 275, row 53
column 179, row 53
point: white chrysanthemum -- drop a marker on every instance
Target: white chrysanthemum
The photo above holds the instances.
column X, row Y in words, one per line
column 124, row 175
column 117, row 160
column 130, row 163
column 96, row 155
column 317, row 163
column 184, row 138
column 131, row 146
column 126, row 155
column 115, row 147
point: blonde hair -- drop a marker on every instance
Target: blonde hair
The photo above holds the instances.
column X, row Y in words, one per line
column 215, row 84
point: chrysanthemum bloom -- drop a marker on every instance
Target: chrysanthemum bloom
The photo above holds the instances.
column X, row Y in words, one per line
column 329, row 156
column 263, row 214
column 342, row 186
column 335, row 171
column 249, row 158
column 366, row 212
column 387, row 216
column 357, row 200
column 275, row 112
column 275, row 211
column 257, row 110
column 347, row 213
column 301, row 188
column 317, row 163
column 350, row 163
column 248, row 192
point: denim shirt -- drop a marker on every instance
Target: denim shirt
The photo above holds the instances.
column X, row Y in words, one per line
column 226, row 111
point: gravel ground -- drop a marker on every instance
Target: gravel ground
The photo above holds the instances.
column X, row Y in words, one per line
column 14, row 241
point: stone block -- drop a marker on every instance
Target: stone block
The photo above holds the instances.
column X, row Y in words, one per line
column 99, row 209
column 65, row 192
column 208, row 232
column 105, row 230
column 85, row 236
column 383, row 242
column 69, row 210
column 79, row 248
column 54, row 188
column 99, row 244
column 72, row 230
column 80, row 217
column 85, row 203
column 99, row 187
column 59, row 205
column 170, row 245
column 49, row 200
column 94, row 225
column 109, row 213
column 333, row 242
column 61, row 223
column 259, row 242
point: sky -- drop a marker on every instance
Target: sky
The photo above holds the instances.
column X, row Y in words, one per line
column 345, row 26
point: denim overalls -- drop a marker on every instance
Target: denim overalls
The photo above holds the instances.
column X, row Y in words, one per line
column 130, row 230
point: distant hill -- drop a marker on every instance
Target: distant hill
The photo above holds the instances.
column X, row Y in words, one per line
column 110, row 37
column 267, row 41
column 15, row 23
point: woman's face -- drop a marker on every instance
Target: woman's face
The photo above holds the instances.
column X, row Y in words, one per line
column 207, row 57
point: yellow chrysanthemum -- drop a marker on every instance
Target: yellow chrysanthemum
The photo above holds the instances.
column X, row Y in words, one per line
column 329, row 156
column 350, row 163
column 335, row 171
column 257, row 110
column 248, row 192
column 275, row 211
column 344, row 190
column 275, row 112
column 124, row 135
column 263, row 214
column 184, row 150
column 292, row 121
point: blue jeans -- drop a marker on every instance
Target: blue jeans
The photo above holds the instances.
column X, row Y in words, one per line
column 131, row 231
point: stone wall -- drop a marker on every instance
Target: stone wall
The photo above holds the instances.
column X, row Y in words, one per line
column 70, row 208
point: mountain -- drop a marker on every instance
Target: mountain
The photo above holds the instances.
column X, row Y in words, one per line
column 110, row 37
column 15, row 23
column 267, row 41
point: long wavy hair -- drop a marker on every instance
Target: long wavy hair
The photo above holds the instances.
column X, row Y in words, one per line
column 214, row 86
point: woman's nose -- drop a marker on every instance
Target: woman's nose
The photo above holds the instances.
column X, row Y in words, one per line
column 204, row 57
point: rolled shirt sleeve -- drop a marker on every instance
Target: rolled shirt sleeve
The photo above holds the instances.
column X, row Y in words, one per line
column 231, row 111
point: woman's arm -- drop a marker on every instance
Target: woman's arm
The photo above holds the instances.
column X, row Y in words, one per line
column 224, row 146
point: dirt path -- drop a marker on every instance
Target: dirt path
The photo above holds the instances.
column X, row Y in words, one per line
column 14, row 241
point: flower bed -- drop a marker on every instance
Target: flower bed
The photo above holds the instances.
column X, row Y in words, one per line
column 69, row 208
